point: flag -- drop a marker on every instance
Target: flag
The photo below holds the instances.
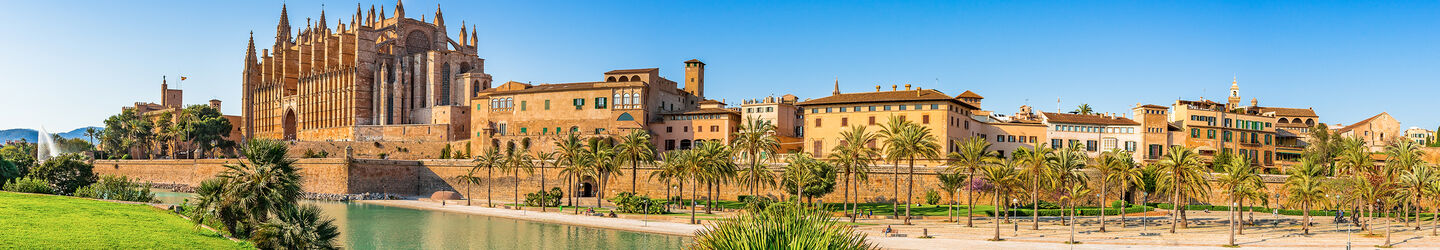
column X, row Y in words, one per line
column 182, row 78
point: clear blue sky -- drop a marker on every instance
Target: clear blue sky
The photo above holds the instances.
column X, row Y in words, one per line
column 71, row 64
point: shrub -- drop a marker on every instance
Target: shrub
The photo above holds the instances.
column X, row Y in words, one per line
column 445, row 152
column 627, row 202
column 757, row 203
column 65, row 173
column 29, row 185
column 112, row 187
column 932, row 197
column 544, row 199
column 1043, row 205
column 781, row 226
column 1119, row 204
column 9, row 171
column 313, row 154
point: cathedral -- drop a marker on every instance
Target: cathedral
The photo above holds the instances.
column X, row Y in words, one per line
column 376, row 78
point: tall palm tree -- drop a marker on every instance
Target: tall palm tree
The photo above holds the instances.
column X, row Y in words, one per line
column 602, row 162
column 635, row 148
column 1003, row 176
column 1066, row 165
column 1304, row 188
column 568, row 157
column 971, row 154
column 1128, row 174
column 542, row 157
column 755, row 141
column 489, row 161
column 912, row 142
column 798, row 169
column 1238, row 183
column 889, row 132
column 673, row 168
column 951, row 182
column 1072, row 197
column 469, row 179
column 1415, row 182
column 853, row 156
column 717, row 167
column 1183, row 176
column 521, row 162
column 1034, row 160
column 1083, row 109
column 1107, row 164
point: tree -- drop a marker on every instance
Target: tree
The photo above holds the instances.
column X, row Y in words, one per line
column 1034, row 159
column 1083, row 109
column 890, row 131
column 781, row 226
column 125, row 133
column 259, row 200
column 8, row 171
column 489, row 161
column 542, row 157
column 951, row 182
column 1415, row 182
column 756, row 140
column 599, row 156
column 853, row 157
column 715, row 167
column 1107, row 164
column 634, row 148
column 1072, row 197
column 205, row 128
column 469, row 179
column 1066, row 165
column 65, row 173
column 298, row 227
column 1183, row 176
column 807, row 177
column 913, row 141
column 1304, row 188
column 971, row 154
column 568, row 154
column 1003, row 175
column 91, row 133
column 1128, row 174
column 22, row 154
column 1239, row 181
column 520, row 162
column 672, row 168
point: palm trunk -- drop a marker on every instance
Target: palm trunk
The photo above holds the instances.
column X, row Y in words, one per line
column 1232, row 226
column 1306, row 210
column 1125, row 204
column 488, row 176
column 518, row 201
column 910, row 191
column 949, row 214
column 997, row 216
column 895, row 203
column 1435, row 222
column 845, row 205
column 969, row 198
column 693, row 197
column 1388, row 221
column 542, row 186
column 634, row 175
column 709, row 197
column 1175, row 204
column 1072, row 221
column 1035, row 202
column 1103, row 190
column 601, row 194
column 467, row 194
column 1240, row 225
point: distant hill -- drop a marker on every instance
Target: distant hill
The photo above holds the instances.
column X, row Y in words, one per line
column 32, row 135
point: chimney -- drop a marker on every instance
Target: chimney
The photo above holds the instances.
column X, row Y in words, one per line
column 907, row 86
column 877, row 88
column 894, row 87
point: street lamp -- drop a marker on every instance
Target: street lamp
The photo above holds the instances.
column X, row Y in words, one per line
column 1144, row 220
column 1014, row 203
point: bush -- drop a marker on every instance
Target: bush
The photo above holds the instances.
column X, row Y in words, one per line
column 313, row 154
column 781, row 226
column 757, row 203
column 9, row 171
column 627, row 202
column 932, row 197
column 1043, row 205
column 65, row 173
column 445, row 152
column 29, row 185
column 544, row 199
column 112, row 187
column 1082, row 211
column 1119, row 204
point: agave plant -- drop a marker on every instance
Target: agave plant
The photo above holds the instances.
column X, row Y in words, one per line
column 781, row 226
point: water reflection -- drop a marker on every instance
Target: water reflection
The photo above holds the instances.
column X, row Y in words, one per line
column 366, row 226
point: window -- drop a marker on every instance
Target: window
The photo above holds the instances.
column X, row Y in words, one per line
column 872, row 120
column 1210, row 134
column 1155, row 151
column 1032, row 139
column 600, row 103
column 1194, row 133
column 523, row 131
column 1130, row 146
column 714, row 128
column 1090, row 145
column 769, row 109
column 842, row 109
column 827, row 110
column 918, row 107
column 999, row 138
column 522, row 105
column 1055, row 143
column 817, row 122
column 685, row 129
column 1225, row 136
column 579, row 103
column 887, row 107
column 925, row 119
column 544, row 131
column 1011, row 138
column 547, row 104
column 844, row 121
column 669, row 129
column 1267, row 139
column 819, row 148
column 669, row 144
column 814, row 110
column 872, row 108
column 934, row 106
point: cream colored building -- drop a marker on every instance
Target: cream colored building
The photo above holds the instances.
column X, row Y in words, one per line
column 1377, row 131
column 711, row 123
column 1006, row 134
column 781, row 112
column 947, row 117
column 1093, row 133
column 1420, row 135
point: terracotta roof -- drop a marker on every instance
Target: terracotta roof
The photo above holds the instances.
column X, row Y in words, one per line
column 711, row 101
column 886, row 96
column 1087, row 119
column 1352, row 126
column 627, row 71
column 969, row 94
column 707, row 111
column 1154, row 106
column 1287, row 111
column 694, row 61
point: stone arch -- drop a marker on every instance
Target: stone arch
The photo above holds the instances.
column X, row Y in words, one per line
column 635, row 78
column 610, row 79
column 525, row 144
column 624, row 78
column 585, row 187
column 1283, row 121
column 1309, row 122
column 417, row 41
column 289, row 126
column 684, row 144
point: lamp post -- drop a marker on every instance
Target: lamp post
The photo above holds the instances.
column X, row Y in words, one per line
column 1144, row 221
column 1014, row 203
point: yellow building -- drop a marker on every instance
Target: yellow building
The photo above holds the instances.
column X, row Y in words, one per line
column 711, row 123
column 533, row 116
column 947, row 116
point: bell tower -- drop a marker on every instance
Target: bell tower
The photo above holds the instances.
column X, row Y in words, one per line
column 1234, row 100
column 695, row 77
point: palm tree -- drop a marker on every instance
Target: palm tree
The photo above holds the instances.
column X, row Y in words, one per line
column 297, row 227
column 951, row 182
column 1066, row 165
column 635, row 148
column 1083, row 109
column 489, row 161
column 1072, row 197
column 521, row 162
column 755, row 140
column 1238, row 182
column 1182, row 174
column 672, row 168
column 912, row 142
column 1415, row 181
column 971, row 154
column 543, row 157
column 1128, row 174
column 1034, row 159
column 1107, row 164
column 889, row 132
column 469, row 179
column 1002, row 175
column 601, row 160
column 1304, row 188
column 798, row 169
column 568, row 153
column 716, row 167
column 854, row 157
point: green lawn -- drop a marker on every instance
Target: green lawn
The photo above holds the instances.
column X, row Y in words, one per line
column 29, row 221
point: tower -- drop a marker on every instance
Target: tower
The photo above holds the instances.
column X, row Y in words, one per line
column 695, row 77
column 837, row 87
column 1234, row 100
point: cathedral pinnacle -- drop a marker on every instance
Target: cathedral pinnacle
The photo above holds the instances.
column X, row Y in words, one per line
column 399, row 9
column 837, row 87
column 439, row 18
column 282, row 30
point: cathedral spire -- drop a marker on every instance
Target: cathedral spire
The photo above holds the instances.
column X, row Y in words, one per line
column 399, row 9
column 250, row 53
column 282, row 30
column 837, row 87
column 439, row 18
column 322, row 17
column 359, row 15
column 474, row 40
column 463, row 41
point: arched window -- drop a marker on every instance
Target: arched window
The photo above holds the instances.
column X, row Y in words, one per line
column 624, row 78
column 619, row 101
column 610, row 79
column 474, row 88
column 684, row 144
column 1283, row 121
column 635, row 78
column 1310, row 122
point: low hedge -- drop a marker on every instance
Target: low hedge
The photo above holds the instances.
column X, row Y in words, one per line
column 1085, row 211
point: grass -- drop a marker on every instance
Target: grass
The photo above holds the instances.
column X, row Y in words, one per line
column 33, row 221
